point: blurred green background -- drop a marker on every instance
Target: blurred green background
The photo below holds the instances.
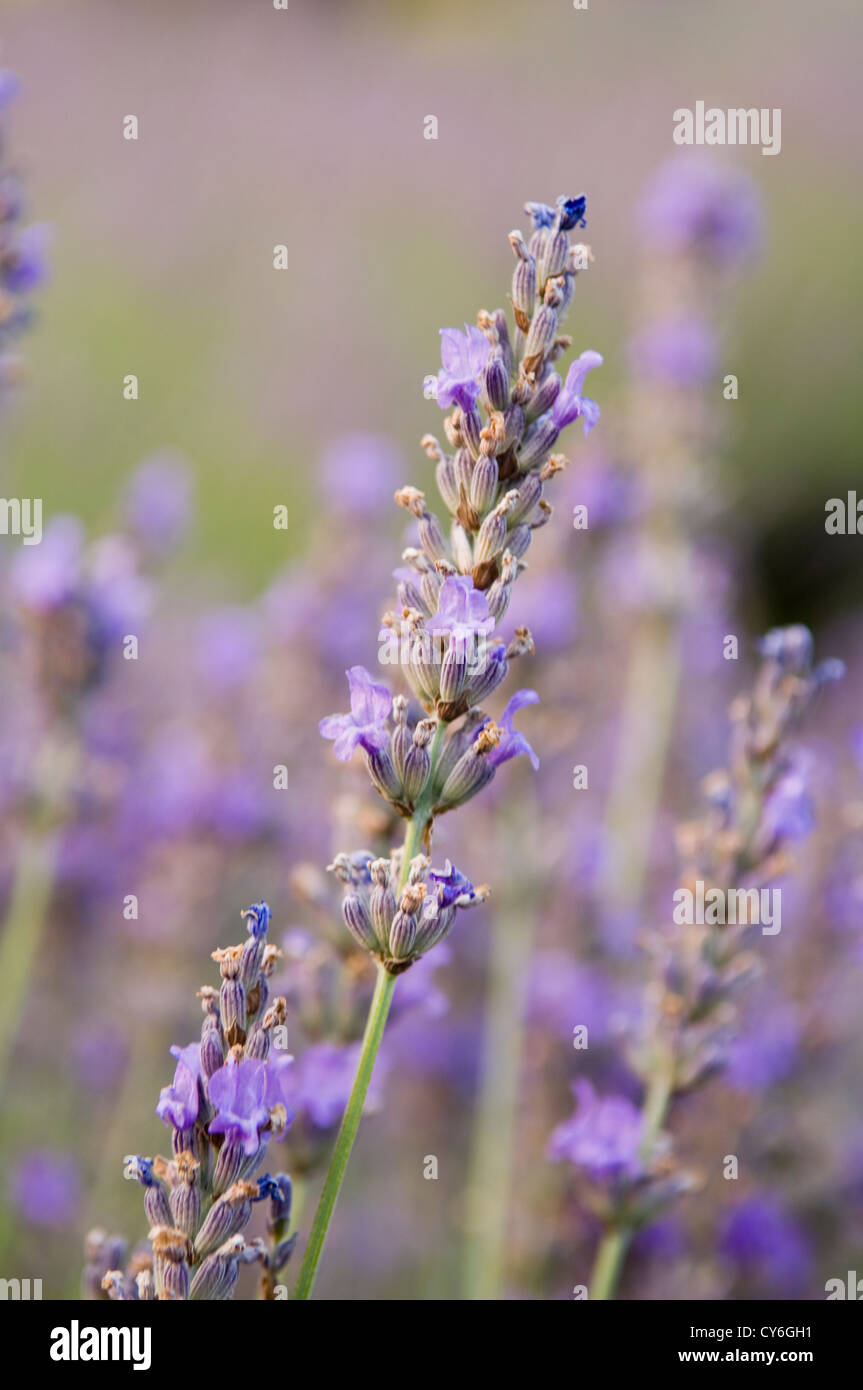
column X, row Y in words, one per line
column 305, row 127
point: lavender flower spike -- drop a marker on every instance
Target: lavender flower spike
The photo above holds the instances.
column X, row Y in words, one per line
column 508, row 410
column 198, row 1201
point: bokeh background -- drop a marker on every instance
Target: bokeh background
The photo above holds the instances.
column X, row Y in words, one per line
column 259, row 127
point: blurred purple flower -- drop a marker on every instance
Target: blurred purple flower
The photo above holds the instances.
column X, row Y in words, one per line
column 47, row 575
column 366, row 724
column 227, row 647
column 463, row 357
column 765, row 1052
column 321, row 1083
column 46, row 1188
column 765, row 1243
column 604, row 1136
column 24, row 265
column 158, row 501
column 788, row 810
column 694, row 202
column 682, row 351
column 359, row 472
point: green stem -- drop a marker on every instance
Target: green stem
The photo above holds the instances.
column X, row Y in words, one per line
column 375, row 1024
column 22, row 934
column 612, row 1249
column 380, row 1007
column 609, row 1262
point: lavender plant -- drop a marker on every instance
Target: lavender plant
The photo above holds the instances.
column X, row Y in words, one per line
column 228, row 1098
column 755, row 809
column 432, row 751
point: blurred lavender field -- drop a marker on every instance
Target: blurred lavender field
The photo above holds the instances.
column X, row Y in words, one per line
column 139, row 812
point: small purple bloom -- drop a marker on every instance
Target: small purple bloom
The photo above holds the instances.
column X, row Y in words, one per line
column 570, row 403
column 366, row 724
column 46, row 1188
column 463, row 356
column 788, row 810
column 257, row 919
column 604, row 1135
column 451, row 888
column 680, row 350
column 693, row 202
column 179, row 1102
column 25, row 265
column 48, row 575
column 462, row 611
column 764, row 1242
column 239, row 1092
column 359, row 472
column 10, row 85
column 512, row 743
column 159, row 501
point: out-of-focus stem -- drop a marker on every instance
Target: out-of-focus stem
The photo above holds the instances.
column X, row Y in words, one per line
column 32, row 887
column 488, row 1193
column 647, row 720
column 612, row 1249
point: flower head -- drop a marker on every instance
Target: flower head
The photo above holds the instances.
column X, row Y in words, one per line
column 463, row 357
column 238, row 1090
column 450, row 887
column 604, row 1136
column 570, row 403
column 366, row 724
column 179, row 1102
column 462, row 611
column 512, row 742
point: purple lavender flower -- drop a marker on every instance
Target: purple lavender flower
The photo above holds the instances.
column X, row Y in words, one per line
column 451, row 888
column 47, row 575
column 179, row 1102
column 366, row 724
column 227, row 647
column 682, row 351
column 359, row 471
column 24, row 265
column 238, row 1090
column 512, row 742
column 765, row 1243
column 322, row 1080
column 570, row 403
column 158, row 502
column 693, row 202
column 46, row 1188
column 463, row 356
column 570, row 211
column 604, row 1136
column 462, row 612
column 788, row 810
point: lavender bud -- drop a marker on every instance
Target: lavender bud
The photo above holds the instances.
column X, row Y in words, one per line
column 383, row 774
column 431, row 537
column 229, row 1166
column 471, row 426
column 492, row 671
column 496, row 382
column 232, row 996
column 492, row 534
column 447, row 481
column 540, row 336
column 156, row 1203
column 358, row 922
column 453, row 672
column 544, row 396
column 186, row 1196
column 524, row 291
column 226, row 1217
column 402, row 936
column 172, row 1255
column 217, row 1275
column 483, row 486
column 555, row 255
column 539, row 439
